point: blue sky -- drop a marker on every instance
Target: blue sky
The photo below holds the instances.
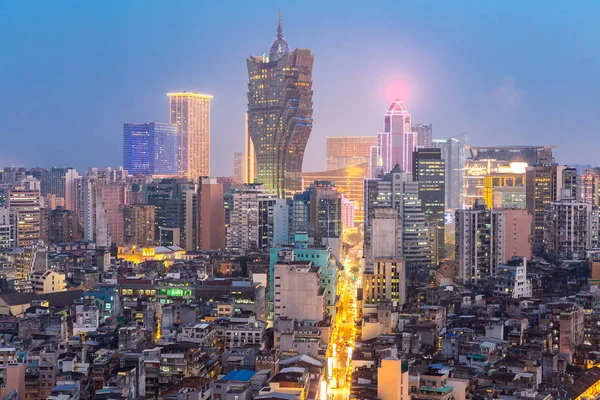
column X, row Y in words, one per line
column 508, row 72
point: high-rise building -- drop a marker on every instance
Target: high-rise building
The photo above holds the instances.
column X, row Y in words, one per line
column 589, row 187
column 253, row 218
column 280, row 114
column 480, row 242
column 298, row 291
column 566, row 183
column 63, row 226
column 348, row 213
column 396, row 189
column 570, row 228
column 541, row 180
column 249, row 155
column 25, row 202
column 238, row 168
column 8, row 228
column 191, row 113
column 138, row 225
column 346, row 151
column 492, row 183
column 348, row 180
column 402, row 140
column 211, row 218
column 424, row 135
column 454, row 153
column 384, row 278
column 150, row 148
column 95, row 219
column 429, row 170
column 325, row 212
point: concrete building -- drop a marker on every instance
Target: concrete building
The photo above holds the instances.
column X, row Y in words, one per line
column 570, row 229
column 87, row 319
column 480, row 242
column 190, row 112
column 385, row 281
column 298, row 291
column 211, row 218
column 25, row 203
column 8, row 228
column 251, row 224
column 48, row 282
column 424, row 134
column 95, row 218
column 517, row 234
column 324, row 212
column 454, row 152
column 589, row 187
column 236, row 385
column 511, row 279
column 392, row 380
column 347, row 151
column 280, row 114
column 63, row 226
column 138, row 225
column 238, row 168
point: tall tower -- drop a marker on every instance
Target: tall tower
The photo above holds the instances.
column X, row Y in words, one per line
column 280, row 114
column 397, row 123
column 191, row 113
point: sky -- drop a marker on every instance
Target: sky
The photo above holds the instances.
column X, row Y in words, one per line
column 510, row 72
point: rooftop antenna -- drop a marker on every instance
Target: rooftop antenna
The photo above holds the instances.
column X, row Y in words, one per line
column 279, row 24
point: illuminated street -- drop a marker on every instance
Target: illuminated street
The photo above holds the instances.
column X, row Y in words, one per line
column 339, row 352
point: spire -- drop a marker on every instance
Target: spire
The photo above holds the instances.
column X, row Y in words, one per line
column 279, row 48
column 279, row 25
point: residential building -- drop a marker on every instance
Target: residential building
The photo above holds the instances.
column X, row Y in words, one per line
column 589, row 187
column 150, row 148
column 48, row 282
column 280, row 114
column 190, row 112
column 236, row 385
column 211, row 218
column 511, row 279
column 570, row 228
column 392, row 380
column 63, row 226
column 25, row 202
column 517, row 236
column 238, row 168
column 480, row 242
column 138, row 225
column 424, row 134
column 298, row 291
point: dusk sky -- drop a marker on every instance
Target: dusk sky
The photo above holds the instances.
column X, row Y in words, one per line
column 505, row 73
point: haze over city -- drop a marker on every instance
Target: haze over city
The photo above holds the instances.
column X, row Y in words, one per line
column 504, row 73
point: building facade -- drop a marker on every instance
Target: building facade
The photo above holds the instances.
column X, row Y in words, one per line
column 151, row 148
column 190, row 112
column 346, row 151
column 138, row 225
column 280, row 114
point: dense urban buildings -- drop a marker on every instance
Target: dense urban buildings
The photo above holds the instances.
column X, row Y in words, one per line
column 347, row 151
column 190, row 112
column 280, row 114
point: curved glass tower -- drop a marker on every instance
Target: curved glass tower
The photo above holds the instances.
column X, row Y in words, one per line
column 280, row 114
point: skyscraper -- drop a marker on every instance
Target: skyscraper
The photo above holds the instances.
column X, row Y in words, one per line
column 429, row 170
column 238, row 167
column 397, row 123
column 25, row 202
column 211, row 215
column 150, row 148
column 346, row 151
column 191, row 113
column 249, row 156
column 424, row 135
column 280, row 114
column 454, row 152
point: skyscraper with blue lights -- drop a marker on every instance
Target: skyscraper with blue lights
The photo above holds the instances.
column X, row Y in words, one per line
column 150, row 148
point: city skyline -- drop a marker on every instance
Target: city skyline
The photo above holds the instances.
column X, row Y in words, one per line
column 505, row 97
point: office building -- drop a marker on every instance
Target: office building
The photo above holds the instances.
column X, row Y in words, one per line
column 505, row 184
column 25, row 202
column 238, row 168
column 510, row 198
column 346, row 151
column 570, row 228
column 249, row 155
column 480, row 242
column 429, row 171
column 424, row 134
column 280, row 114
column 151, row 148
column 348, row 180
column 253, row 218
column 298, row 291
column 540, row 181
column 454, row 153
column 190, row 112
column 63, row 226
column 138, row 225
column 211, row 218
column 398, row 141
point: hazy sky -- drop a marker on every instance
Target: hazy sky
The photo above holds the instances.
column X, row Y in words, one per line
column 522, row 72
